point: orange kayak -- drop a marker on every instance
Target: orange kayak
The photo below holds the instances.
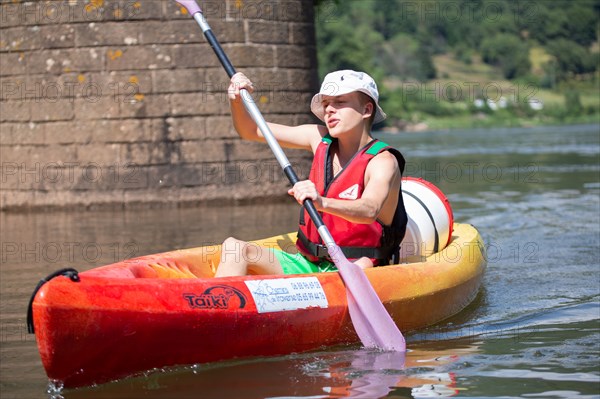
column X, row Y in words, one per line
column 167, row 309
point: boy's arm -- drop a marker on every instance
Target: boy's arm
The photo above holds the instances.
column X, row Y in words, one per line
column 381, row 176
column 302, row 137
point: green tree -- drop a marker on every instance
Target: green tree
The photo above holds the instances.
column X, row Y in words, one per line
column 573, row 103
column 509, row 53
column 341, row 45
column 571, row 58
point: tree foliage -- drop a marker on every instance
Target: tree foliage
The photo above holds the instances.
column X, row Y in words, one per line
column 396, row 40
column 507, row 52
column 399, row 37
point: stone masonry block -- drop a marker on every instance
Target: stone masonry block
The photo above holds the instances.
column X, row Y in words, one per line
column 163, row 176
column 36, row 157
column 202, row 151
column 157, row 153
column 13, row 64
column 302, row 34
column 80, row 132
column 202, row 103
column 56, row 62
column 304, row 79
column 295, row 57
column 108, row 34
column 134, row 57
column 187, row 128
column 144, row 106
column 178, row 80
column 128, row 86
column 20, row 38
column 138, row 10
column 105, row 107
column 15, row 111
column 23, row 134
column 50, row 110
column 56, row 36
column 112, row 178
column 101, row 154
column 220, row 127
column 123, row 131
column 193, row 56
column 251, row 55
column 295, row 11
column 268, row 32
column 170, row 32
column 243, row 150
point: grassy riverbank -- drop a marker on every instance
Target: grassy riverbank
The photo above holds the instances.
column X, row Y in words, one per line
column 456, row 99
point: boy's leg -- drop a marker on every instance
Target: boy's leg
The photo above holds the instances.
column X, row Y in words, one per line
column 239, row 258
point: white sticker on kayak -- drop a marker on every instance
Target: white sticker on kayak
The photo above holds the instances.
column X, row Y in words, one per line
column 276, row 295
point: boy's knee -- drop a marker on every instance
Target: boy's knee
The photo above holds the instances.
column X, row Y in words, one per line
column 232, row 244
column 232, row 249
column 228, row 241
column 364, row 262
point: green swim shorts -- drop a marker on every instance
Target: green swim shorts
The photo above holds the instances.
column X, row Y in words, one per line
column 298, row 264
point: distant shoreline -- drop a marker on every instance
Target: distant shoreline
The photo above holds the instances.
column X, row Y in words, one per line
column 438, row 125
column 418, row 129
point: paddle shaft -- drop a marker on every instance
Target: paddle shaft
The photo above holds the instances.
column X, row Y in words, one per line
column 372, row 322
column 256, row 115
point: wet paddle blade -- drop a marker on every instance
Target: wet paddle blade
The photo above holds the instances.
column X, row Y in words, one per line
column 373, row 324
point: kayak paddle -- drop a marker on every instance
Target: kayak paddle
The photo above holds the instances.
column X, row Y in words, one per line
column 372, row 322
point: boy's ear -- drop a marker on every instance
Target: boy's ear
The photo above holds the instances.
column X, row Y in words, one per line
column 369, row 108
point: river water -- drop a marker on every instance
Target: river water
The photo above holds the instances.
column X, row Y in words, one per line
column 533, row 331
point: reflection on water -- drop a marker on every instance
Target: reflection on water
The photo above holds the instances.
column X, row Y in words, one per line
column 533, row 331
column 341, row 373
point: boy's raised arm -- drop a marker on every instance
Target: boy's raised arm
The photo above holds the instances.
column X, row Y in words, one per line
column 301, row 137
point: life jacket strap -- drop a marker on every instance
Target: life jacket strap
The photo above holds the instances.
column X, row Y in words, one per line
column 382, row 254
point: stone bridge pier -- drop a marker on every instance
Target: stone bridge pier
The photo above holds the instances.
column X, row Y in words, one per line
column 123, row 104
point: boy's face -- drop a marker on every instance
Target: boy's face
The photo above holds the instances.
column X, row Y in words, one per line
column 345, row 113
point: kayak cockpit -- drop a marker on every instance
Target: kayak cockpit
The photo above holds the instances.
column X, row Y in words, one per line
column 187, row 266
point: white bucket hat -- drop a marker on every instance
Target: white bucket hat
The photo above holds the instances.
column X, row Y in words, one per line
column 344, row 82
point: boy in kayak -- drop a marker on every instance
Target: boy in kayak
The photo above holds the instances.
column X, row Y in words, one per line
column 354, row 181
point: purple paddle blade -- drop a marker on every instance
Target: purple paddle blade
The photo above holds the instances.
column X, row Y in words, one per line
column 190, row 5
column 373, row 324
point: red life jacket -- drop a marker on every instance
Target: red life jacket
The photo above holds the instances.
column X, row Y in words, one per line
column 375, row 240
